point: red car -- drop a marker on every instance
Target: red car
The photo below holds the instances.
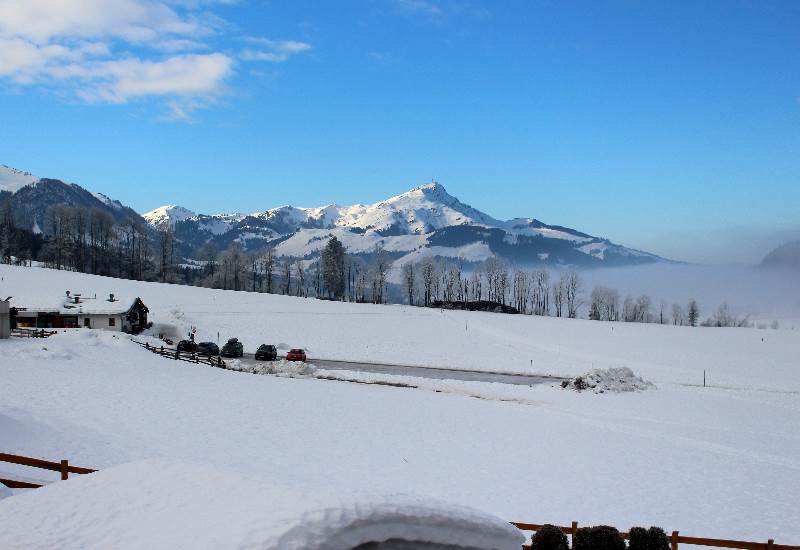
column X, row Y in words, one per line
column 296, row 355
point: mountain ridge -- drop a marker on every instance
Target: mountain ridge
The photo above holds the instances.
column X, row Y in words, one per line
column 421, row 223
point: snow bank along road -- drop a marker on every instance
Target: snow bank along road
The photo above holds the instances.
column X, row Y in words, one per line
column 713, row 461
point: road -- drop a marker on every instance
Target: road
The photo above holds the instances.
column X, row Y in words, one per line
column 428, row 372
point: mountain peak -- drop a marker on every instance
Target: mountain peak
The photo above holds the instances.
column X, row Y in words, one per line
column 167, row 215
column 433, row 190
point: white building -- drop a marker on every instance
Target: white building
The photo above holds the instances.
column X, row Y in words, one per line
column 81, row 311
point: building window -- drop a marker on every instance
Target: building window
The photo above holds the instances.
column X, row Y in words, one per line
column 112, row 321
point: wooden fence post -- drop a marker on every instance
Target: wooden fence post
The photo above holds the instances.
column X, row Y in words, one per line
column 674, row 540
column 64, row 469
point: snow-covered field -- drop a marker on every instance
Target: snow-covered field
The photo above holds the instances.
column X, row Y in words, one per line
column 719, row 461
column 742, row 358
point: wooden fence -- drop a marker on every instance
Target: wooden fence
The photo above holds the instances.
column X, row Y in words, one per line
column 676, row 539
column 172, row 353
column 63, row 467
column 32, row 333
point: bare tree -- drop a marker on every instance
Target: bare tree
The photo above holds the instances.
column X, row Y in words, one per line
column 409, row 281
column 301, row 277
column 572, row 292
column 678, row 315
column 540, row 288
column 269, row 268
column 287, row 275
column 380, row 270
column 476, row 286
column 559, row 291
column 428, row 276
column 520, row 291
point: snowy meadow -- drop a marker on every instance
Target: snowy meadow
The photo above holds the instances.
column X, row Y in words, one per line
column 715, row 461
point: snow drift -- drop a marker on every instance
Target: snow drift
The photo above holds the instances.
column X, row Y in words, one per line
column 281, row 367
column 615, row 380
column 170, row 504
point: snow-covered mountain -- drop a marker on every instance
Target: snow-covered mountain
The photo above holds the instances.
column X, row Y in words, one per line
column 12, row 180
column 31, row 198
column 425, row 221
column 167, row 216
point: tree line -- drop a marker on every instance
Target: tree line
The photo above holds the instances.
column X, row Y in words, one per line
column 90, row 240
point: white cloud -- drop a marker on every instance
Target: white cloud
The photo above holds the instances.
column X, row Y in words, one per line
column 121, row 80
column 42, row 21
column 275, row 51
column 117, row 51
column 423, row 7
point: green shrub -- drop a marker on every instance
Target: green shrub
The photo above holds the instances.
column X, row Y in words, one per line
column 601, row 537
column 648, row 539
column 580, row 540
column 549, row 537
column 638, row 539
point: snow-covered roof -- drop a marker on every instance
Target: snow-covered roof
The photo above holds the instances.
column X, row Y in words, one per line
column 77, row 303
column 169, row 504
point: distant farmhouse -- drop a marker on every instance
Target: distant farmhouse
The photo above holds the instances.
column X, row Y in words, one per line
column 81, row 311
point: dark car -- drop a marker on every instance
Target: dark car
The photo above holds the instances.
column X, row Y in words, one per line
column 233, row 348
column 266, row 352
column 296, row 355
column 207, row 348
column 187, row 346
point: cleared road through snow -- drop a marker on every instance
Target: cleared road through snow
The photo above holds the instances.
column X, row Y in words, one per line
column 427, row 372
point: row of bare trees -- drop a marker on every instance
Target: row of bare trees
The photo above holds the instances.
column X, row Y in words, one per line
column 605, row 304
column 534, row 292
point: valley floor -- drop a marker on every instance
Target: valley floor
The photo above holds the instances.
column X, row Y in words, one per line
column 717, row 461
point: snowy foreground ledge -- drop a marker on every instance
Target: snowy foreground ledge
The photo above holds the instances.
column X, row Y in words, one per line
column 165, row 504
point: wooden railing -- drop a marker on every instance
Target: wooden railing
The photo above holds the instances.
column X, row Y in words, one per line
column 676, row 539
column 63, row 467
column 172, row 353
column 32, row 333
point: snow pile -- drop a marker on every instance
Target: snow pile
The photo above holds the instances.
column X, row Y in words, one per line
column 282, row 367
column 172, row 504
column 614, row 380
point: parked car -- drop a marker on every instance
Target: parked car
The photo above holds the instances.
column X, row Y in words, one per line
column 207, row 348
column 266, row 352
column 233, row 348
column 296, row 355
column 187, row 346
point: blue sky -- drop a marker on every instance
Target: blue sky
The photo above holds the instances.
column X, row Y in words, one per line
column 673, row 127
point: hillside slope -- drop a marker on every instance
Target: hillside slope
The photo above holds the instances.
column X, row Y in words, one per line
column 785, row 256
